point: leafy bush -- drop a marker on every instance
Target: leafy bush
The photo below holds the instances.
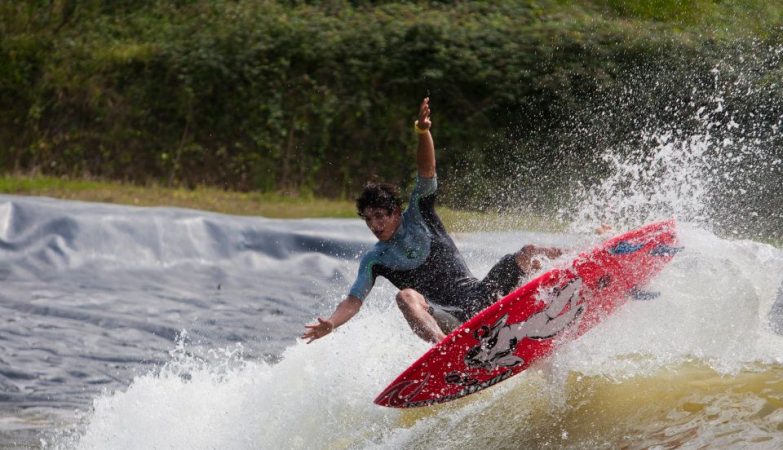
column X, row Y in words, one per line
column 316, row 96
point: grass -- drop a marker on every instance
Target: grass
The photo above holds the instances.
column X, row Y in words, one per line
column 244, row 203
column 202, row 198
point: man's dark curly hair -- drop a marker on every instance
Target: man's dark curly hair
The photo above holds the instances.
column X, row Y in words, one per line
column 378, row 195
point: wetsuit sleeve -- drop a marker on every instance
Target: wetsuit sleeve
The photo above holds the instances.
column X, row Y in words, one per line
column 425, row 189
column 365, row 280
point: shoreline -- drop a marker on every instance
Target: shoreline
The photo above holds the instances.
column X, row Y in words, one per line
column 270, row 205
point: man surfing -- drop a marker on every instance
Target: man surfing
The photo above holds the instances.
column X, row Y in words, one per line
column 437, row 290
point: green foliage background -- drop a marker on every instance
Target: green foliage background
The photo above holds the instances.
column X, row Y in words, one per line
column 315, row 96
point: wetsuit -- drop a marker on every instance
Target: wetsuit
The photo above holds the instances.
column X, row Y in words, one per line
column 422, row 256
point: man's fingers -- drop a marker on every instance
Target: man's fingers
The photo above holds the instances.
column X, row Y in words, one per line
column 317, row 330
column 424, row 109
column 311, row 335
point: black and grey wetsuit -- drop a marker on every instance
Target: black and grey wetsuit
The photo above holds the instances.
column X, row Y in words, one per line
column 422, row 256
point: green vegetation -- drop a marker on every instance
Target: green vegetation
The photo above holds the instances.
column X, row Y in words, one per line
column 312, row 97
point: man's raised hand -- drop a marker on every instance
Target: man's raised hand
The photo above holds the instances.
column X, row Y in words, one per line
column 424, row 122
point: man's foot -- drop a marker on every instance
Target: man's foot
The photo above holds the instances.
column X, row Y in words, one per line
column 603, row 228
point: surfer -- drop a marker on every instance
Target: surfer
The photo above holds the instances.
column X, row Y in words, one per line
column 437, row 290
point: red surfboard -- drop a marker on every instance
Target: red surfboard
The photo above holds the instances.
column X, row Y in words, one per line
column 529, row 323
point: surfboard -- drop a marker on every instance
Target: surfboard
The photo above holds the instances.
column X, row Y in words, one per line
column 535, row 319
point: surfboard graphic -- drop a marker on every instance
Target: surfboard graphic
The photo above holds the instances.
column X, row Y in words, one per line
column 532, row 321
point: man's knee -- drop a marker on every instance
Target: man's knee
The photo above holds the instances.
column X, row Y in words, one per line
column 524, row 254
column 527, row 251
column 409, row 299
column 534, row 250
column 525, row 258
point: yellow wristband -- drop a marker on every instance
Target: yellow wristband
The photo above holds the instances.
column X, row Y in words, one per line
column 419, row 130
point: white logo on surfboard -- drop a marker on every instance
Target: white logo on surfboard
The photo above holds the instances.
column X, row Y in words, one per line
column 497, row 344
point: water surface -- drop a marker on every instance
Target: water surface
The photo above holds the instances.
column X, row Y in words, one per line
column 164, row 328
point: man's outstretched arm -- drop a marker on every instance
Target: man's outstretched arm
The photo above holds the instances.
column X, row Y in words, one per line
column 343, row 313
column 425, row 154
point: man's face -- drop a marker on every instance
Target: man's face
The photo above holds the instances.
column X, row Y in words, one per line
column 382, row 223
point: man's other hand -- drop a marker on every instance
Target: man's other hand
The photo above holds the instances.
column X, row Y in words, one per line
column 318, row 330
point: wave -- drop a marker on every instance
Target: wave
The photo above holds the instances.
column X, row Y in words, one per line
column 699, row 366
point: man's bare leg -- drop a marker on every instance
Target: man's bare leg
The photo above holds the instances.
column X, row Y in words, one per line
column 415, row 309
